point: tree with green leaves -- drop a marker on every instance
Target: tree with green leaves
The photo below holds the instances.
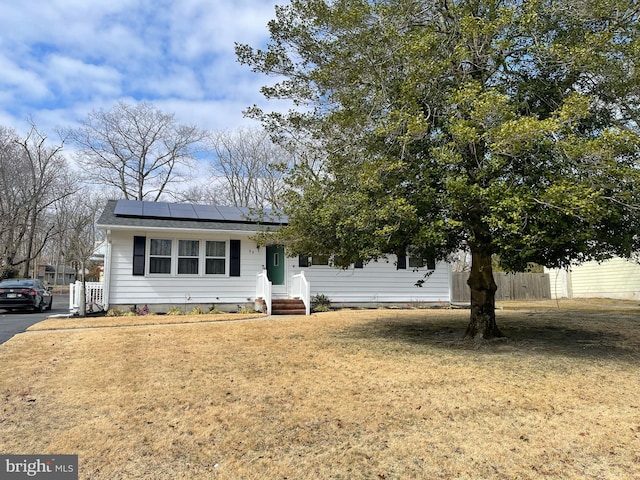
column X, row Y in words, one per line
column 509, row 128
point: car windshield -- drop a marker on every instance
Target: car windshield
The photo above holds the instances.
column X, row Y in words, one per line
column 16, row 283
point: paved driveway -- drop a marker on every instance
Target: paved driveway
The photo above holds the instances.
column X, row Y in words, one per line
column 12, row 323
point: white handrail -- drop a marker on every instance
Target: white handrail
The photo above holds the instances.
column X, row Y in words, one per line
column 263, row 289
column 302, row 289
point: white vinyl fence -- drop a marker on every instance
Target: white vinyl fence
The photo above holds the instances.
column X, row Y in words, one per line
column 93, row 297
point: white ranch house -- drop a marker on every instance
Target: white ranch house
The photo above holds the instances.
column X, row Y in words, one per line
column 164, row 255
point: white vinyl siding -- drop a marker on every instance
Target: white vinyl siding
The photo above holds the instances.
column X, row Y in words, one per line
column 377, row 282
column 614, row 278
column 127, row 289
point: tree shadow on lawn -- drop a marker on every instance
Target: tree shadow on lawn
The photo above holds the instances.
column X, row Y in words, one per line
column 576, row 334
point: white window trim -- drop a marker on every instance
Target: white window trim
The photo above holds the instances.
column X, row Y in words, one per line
column 149, row 257
column 227, row 259
column 174, row 257
column 178, row 257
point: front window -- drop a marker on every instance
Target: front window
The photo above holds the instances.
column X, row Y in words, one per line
column 160, row 256
column 188, row 257
column 419, row 262
column 320, row 260
column 416, row 262
column 215, row 258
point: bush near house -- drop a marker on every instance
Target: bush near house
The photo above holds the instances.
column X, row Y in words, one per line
column 321, row 303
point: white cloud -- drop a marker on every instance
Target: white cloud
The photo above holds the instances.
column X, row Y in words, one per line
column 180, row 82
column 201, row 28
column 74, row 77
column 62, row 58
column 19, row 81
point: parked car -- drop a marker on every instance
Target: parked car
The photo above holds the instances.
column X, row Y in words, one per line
column 25, row 294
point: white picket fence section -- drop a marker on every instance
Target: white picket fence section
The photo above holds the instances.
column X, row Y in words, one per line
column 93, row 297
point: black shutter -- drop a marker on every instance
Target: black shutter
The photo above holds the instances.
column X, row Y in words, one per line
column 303, row 261
column 402, row 262
column 234, row 264
column 431, row 263
column 139, row 246
column 358, row 264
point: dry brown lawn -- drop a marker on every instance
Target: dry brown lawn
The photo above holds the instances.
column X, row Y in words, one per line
column 370, row 394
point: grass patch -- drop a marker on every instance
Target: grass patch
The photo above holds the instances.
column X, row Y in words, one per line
column 369, row 394
column 138, row 320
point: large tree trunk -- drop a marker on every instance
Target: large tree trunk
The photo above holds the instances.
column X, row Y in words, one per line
column 482, row 324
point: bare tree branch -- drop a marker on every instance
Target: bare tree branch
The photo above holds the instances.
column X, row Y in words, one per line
column 136, row 149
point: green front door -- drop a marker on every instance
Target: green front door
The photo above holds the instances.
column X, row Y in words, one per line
column 275, row 264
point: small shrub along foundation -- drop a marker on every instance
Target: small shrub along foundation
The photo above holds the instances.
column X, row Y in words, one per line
column 179, row 309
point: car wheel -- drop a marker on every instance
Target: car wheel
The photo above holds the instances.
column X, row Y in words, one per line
column 42, row 307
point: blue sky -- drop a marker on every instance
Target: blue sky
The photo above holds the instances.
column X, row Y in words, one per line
column 60, row 59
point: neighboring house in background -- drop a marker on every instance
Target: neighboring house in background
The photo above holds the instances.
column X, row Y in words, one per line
column 98, row 257
column 615, row 278
column 56, row 274
column 162, row 255
column 99, row 251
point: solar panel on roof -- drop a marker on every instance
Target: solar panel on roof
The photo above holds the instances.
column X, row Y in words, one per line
column 128, row 207
column 207, row 212
column 156, row 209
column 182, row 210
column 273, row 216
column 257, row 215
column 234, row 214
